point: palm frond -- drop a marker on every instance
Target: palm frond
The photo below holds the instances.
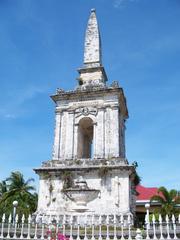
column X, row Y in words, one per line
column 158, row 199
column 165, row 193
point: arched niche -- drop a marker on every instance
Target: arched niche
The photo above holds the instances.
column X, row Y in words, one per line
column 85, row 138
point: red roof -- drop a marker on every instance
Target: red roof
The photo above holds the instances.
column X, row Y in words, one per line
column 146, row 193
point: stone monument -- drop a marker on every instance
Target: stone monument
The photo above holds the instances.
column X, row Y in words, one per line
column 89, row 172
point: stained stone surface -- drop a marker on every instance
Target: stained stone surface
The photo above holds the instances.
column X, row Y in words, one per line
column 92, row 73
column 108, row 112
column 92, row 49
column 89, row 142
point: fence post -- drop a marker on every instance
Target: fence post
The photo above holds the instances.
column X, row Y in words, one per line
column 115, row 227
column 42, row 228
column 122, row 226
column 29, row 227
column 78, row 228
column 64, row 225
column 71, row 228
column 147, row 220
column 15, row 226
column 107, row 228
column 100, row 227
column 161, row 227
column 49, row 228
column 85, row 228
column 57, row 224
column 154, row 226
column 129, row 226
column 138, row 234
column 174, row 226
column 93, row 238
column 147, row 206
column 9, row 226
column 2, row 226
column 167, row 226
column 35, row 230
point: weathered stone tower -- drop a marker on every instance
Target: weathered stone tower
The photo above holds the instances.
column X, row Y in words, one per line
column 89, row 171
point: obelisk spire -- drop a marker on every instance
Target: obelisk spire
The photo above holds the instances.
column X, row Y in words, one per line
column 92, row 74
column 92, row 46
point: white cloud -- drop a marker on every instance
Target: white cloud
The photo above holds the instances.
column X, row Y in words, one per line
column 118, row 3
column 10, row 116
column 28, row 93
column 121, row 3
column 17, row 97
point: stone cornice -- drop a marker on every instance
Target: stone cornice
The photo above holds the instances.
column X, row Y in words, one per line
column 75, row 94
column 82, row 168
column 97, row 92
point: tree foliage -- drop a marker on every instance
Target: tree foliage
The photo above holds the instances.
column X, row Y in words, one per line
column 15, row 187
column 3, row 188
column 169, row 201
column 137, row 178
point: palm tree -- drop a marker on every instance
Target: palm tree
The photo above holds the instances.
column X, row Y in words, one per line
column 20, row 190
column 3, row 188
column 17, row 183
column 168, row 200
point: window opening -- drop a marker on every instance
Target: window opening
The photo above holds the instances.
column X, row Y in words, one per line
column 85, row 138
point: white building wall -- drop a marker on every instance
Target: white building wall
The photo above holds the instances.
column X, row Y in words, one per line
column 115, row 181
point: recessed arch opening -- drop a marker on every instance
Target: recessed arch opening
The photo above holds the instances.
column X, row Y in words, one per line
column 85, row 138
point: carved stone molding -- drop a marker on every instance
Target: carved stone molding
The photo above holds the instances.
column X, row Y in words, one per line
column 86, row 111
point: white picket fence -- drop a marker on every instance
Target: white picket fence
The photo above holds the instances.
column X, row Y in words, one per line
column 86, row 227
column 159, row 228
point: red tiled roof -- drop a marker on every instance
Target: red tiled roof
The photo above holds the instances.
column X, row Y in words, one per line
column 145, row 193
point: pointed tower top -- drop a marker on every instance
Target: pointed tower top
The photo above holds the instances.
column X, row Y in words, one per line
column 92, row 74
column 92, row 46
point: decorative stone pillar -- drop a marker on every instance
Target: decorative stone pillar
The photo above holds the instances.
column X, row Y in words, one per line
column 95, row 147
column 69, row 135
column 124, row 144
column 75, row 154
column 63, row 134
column 122, row 138
column 57, row 132
column 107, row 132
column 100, row 134
column 114, row 135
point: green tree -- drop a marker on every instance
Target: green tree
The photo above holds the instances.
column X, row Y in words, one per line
column 137, row 178
column 3, row 188
column 17, row 188
column 168, row 200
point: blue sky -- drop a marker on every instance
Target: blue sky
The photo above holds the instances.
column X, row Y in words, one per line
column 41, row 46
